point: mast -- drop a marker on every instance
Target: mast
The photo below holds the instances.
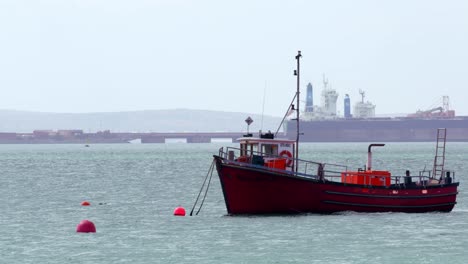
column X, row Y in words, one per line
column 297, row 73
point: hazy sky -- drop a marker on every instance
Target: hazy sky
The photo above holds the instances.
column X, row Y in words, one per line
column 108, row 55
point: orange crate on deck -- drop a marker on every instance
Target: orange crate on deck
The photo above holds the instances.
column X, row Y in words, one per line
column 276, row 163
column 375, row 178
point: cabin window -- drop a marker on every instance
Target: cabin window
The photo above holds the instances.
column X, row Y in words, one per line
column 270, row 150
column 248, row 149
column 243, row 149
column 253, row 149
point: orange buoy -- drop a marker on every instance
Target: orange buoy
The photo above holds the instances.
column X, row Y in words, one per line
column 86, row 226
column 85, row 203
column 179, row 211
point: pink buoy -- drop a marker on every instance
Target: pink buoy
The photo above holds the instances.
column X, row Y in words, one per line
column 179, row 211
column 86, row 226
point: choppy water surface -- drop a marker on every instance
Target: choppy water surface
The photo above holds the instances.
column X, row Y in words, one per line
column 133, row 190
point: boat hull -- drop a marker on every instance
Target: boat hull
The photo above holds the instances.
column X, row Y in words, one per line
column 250, row 190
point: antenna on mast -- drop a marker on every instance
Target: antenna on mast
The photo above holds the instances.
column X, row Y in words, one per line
column 362, row 95
column 297, row 73
column 263, row 106
column 325, row 82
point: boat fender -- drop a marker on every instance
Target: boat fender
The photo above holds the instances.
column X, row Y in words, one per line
column 287, row 154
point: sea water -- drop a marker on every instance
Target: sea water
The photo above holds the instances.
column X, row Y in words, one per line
column 134, row 188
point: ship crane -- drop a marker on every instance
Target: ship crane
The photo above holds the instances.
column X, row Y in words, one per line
column 430, row 111
column 436, row 112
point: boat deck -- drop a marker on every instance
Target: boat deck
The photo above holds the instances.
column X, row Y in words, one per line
column 335, row 173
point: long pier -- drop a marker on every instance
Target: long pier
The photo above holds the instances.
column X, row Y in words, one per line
column 79, row 137
column 190, row 137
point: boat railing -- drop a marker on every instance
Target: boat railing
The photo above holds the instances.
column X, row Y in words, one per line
column 320, row 171
column 305, row 168
column 330, row 172
column 257, row 159
column 425, row 178
column 406, row 181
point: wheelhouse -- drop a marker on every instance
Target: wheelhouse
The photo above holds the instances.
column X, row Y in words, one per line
column 268, row 151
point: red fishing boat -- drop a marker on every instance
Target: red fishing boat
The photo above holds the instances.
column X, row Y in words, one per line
column 264, row 175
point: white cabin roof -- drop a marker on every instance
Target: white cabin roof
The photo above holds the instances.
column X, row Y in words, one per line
column 265, row 140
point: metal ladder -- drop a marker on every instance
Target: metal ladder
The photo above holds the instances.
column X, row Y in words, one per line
column 439, row 159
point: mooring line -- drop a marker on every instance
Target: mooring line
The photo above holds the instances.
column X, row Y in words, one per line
column 210, row 172
column 206, row 190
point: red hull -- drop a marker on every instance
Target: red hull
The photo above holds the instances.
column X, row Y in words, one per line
column 250, row 190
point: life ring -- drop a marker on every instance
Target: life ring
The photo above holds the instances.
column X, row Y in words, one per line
column 286, row 154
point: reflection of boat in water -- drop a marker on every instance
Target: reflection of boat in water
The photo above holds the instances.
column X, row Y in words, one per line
column 265, row 176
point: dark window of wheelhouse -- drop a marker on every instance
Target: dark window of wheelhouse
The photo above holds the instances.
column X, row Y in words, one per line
column 270, row 149
column 243, row 149
column 247, row 149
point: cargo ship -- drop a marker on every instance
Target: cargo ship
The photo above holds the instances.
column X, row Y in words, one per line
column 322, row 124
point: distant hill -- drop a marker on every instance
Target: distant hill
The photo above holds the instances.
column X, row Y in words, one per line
column 177, row 120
